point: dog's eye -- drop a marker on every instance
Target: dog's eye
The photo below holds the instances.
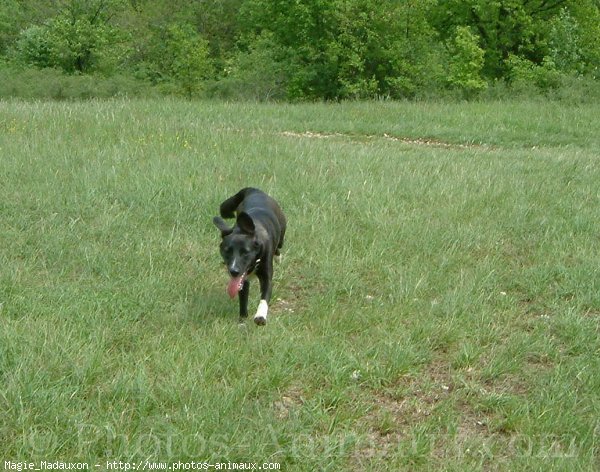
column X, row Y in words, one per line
column 244, row 251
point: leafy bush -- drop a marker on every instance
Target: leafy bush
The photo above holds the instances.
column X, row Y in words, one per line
column 34, row 47
column 34, row 83
column 524, row 74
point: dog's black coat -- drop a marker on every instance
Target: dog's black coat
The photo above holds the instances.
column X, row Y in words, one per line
column 249, row 246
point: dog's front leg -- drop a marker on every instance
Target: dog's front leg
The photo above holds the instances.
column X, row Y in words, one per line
column 265, row 280
column 243, row 294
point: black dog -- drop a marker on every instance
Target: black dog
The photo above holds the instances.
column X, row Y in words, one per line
column 249, row 247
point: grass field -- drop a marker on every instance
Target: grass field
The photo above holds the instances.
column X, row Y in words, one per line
column 437, row 306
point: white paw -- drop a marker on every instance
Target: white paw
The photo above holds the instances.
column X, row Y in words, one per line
column 261, row 313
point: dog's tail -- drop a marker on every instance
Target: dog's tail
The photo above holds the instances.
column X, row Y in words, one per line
column 229, row 206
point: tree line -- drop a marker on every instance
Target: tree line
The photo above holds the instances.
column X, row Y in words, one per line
column 303, row 49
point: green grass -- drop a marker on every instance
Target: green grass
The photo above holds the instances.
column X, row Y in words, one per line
column 436, row 308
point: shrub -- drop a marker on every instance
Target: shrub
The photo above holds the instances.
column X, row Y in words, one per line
column 73, row 45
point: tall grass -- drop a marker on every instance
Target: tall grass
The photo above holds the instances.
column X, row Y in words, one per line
column 436, row 306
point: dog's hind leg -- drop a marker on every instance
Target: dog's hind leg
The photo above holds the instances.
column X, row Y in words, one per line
column 280, row 243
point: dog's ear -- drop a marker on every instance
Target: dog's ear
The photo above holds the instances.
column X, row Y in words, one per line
column 245, row 223
column 223, row 227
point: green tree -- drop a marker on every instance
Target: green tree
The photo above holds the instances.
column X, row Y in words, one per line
column 11, row 19
column 564, row 40
column 505, row 28
column 587, row 15
column 382, row 48
column 79, row 39
column 466, row 62
column 217, row 20
column 301, row 30
column 179, row 55
column 356, row 49
column 258, row 72
column 336, row 49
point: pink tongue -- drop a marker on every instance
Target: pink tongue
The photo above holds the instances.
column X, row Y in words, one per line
column 234, row 285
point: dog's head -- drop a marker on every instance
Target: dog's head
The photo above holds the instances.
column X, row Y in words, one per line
column 239, row 248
